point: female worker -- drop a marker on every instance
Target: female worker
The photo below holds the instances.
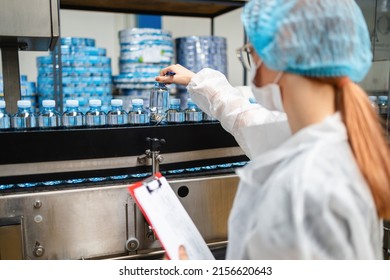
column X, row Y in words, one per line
column 321, row 190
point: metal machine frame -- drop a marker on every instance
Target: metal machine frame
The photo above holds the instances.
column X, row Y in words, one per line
column 100, row 220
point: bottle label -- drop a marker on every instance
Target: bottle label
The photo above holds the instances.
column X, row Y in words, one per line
column 46, row 121
column 175, row 117
column 5, row 121
column 72, row 120
column 194, row 116
column 95, row 120
column 117, row 119
column 24, row 122
column 138, row 119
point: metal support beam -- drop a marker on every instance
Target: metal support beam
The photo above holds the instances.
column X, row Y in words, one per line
column 212, row 31
column 11, row 76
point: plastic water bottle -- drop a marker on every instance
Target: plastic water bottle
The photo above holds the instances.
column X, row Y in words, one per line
column 24, row 118
column 5, row 120
column 382, row 104
column 117, row 116
column 138, row 115
column 193, row 113
column 49, row 117
column 159, row 102
column 175, row 114
column 72, row 117
column 95, row 116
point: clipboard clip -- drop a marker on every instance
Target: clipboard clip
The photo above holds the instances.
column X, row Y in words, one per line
column 148, row 183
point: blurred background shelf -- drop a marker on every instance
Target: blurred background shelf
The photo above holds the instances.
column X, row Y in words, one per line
column 194, row 8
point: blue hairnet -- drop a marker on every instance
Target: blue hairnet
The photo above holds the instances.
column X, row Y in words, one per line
column 319, row 38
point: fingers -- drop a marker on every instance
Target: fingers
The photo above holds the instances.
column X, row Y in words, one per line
column 182, row 75
column 182, row 253
column 165, row 79
column 172, row 68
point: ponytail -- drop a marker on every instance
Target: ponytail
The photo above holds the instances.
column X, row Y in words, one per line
column 368, row 142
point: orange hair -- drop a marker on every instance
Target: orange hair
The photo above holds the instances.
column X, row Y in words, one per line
column 367, row 139
column 368, row 143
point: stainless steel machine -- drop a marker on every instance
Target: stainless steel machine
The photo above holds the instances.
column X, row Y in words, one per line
column 24, row 26
column 63, row 192
column 93, row 219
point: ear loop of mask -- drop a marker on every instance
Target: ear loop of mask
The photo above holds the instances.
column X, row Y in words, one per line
column 278, row 77
column 253, row 72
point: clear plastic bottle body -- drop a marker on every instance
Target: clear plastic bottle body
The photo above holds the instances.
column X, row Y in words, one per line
column 95, row 116
column 174, row 113
column 24, row 118
column 49, row 117
column 5, row 119
column 72, row 117
column 193, row 113
column 159, row 104
column 117, row 116
column 138, row 115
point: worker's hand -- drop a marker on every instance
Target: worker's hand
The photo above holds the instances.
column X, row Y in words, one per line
column 182, row 254
column 182, row 75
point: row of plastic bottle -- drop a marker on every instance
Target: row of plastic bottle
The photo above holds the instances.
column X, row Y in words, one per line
column 95, row 116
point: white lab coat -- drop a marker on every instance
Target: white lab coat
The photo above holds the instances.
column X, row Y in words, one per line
column 216, row 97
column 301, row 198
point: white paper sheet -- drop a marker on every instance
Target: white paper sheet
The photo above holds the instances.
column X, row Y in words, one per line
column 170, row 221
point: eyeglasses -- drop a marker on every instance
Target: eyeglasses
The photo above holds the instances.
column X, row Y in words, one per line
column 244, row 56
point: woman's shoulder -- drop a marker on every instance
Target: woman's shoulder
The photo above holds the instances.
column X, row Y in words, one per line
column 322, row 169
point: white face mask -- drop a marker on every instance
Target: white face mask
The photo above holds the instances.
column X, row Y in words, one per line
column 269, row 96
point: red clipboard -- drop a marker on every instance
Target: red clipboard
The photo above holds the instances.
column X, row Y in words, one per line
column 168, row 218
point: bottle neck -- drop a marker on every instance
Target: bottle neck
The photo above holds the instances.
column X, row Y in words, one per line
column 24, row 109
column 48, row 109
column 137, row 107
column 161, row 86
column 95, row 108
column 175, row 106
column 72, row 109
column 192, row 106
column 116, row 108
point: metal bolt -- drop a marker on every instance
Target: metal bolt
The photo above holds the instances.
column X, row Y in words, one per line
column 150, row 234
column 132, row 244
column 38, row 218
column 160, row 158
column 37, row 204
column 38, row 250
